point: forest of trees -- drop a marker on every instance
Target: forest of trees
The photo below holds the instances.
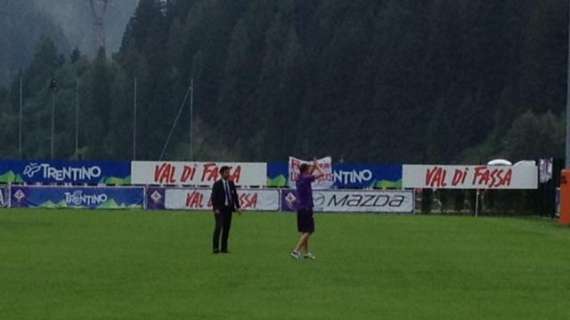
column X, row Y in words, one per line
column 364, row 81
column 76, row 20
column 21, row 26
column 69, row 23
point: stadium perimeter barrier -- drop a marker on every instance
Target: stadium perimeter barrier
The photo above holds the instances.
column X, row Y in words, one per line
column 175, row 178
column 198, row 198
column 174, row 185
column 275, row 174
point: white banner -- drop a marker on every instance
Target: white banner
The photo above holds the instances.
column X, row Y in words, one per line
column 325, row 182
column 196, row 173
column 199, row 199
column 356, row 201
column 523, row 176
column 4, row 198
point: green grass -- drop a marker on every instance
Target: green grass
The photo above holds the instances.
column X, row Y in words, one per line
column 65, row 264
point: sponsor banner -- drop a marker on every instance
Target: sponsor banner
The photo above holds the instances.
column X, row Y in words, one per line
column 77, row 197
column 325, row 182
column 345, row 176
column 199, row 199
column 4, row 200
column 523, row 176
column 354, row 201
column 60, row 172
column 355, row 176
column 196, row 173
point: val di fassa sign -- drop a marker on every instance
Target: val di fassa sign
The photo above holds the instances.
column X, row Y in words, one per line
column 523, row 176
column 354, row 201
column 196, row 173
column 325, row 164
column 199, row 199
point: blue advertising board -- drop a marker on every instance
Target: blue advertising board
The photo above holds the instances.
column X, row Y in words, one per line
column 358, row 176
column 77, row 197
column 4, row 197
column 65, row 172
column 346, row 176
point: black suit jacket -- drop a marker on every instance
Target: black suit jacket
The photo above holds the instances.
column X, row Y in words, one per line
column 219, row 197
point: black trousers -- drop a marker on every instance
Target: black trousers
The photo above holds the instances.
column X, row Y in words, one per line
column 222, row 229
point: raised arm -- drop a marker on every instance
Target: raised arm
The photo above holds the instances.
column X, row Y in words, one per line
column 317, row 168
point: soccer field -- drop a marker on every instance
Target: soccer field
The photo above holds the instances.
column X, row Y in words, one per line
column 139, row 265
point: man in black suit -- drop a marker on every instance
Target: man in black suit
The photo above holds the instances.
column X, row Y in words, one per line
column 224, row 201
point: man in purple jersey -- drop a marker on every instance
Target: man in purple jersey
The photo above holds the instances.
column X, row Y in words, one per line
column 304, row 204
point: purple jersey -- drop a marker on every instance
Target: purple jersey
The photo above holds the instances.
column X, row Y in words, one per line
column 305, row 192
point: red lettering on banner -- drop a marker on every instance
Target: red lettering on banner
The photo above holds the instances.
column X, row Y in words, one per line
column 443, row 176
column 210, row 172
column 235, row 176
column 248, row 200
column 429, row 175
column 194, row 200
column 164, row 174
column 492, row 178
column 435, row 177
column 459, row 177
column 508, row 178
column 188, row 174
column 501, row 178
column 481, row 176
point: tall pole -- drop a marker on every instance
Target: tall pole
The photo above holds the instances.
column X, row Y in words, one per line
column 568, row 98
column 98, row 10
column 191, row 117
column 77, row 120
column 20, row 115
column 52, row 144
column 180, row 111
column 135, row 120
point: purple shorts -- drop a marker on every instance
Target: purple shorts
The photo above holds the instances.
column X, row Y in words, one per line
column 305, row 221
